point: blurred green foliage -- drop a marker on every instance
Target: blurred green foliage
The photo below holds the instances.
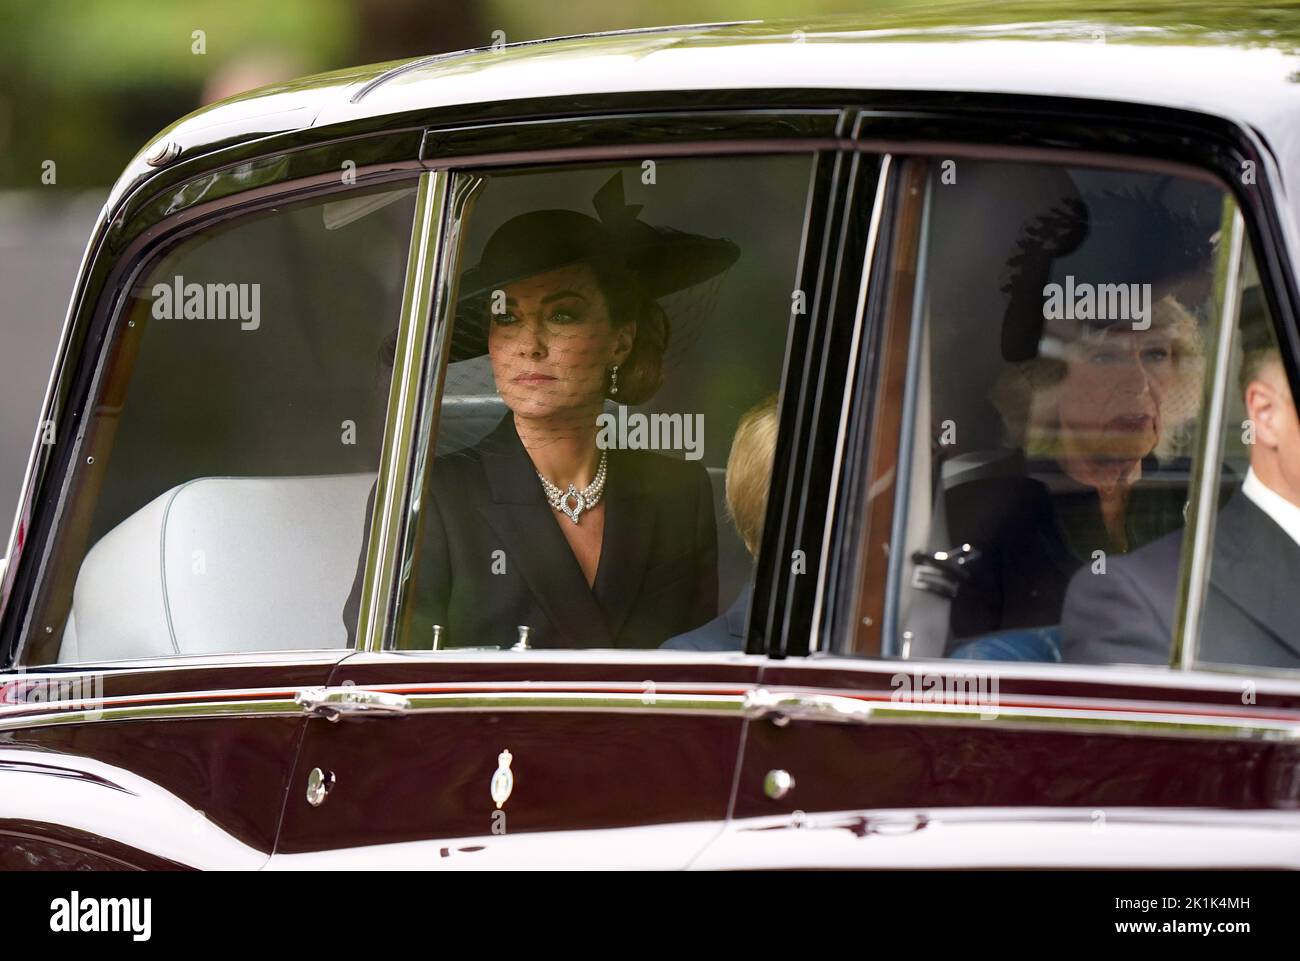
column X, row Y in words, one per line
column 1228, row 17
column 85, row 82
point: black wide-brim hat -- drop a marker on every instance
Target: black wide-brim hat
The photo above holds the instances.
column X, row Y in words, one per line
column 662, row 259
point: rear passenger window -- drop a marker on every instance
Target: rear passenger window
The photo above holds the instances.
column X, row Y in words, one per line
column 218, row 500
column 606, row 428
column 1044, row 383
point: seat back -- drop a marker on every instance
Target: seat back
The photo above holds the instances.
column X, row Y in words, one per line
column 223, row 564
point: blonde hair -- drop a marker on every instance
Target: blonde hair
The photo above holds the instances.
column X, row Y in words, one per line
column 1027, row 394
column 749, row 470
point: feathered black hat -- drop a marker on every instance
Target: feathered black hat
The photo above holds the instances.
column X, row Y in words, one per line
column 1115, row 237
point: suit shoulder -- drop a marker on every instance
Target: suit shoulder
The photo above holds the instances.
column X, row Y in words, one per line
column 457, row 465
column 1157, row 560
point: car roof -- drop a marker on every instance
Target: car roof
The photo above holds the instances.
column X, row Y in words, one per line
column 1198, row 70
column 1221, row 59
column 1247, row 74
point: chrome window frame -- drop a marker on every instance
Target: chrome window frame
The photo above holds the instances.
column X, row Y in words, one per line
column 424, row 280
column 1253, row 224
column 1196, row 555
column 823, row 154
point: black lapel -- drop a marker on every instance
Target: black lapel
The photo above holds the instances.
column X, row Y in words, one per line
column 521, row 517
column 1244, row 537
column 625, row 546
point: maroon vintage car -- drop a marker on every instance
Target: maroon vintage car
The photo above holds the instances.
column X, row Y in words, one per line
column 941, row 376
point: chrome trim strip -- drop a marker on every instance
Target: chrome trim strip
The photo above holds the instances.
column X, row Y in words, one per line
column 155, row 712
column 648, row 702
column 1192, row 593
column 783, row 707
column 21, row 708
column 462, row 188
column 1262, row 680
column 1056, row 702
column 884, row 179
column 907, row 433
column 779, row 705
column 408, row 368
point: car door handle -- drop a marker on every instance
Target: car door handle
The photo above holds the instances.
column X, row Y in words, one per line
column 781, row 708
column 333, row 703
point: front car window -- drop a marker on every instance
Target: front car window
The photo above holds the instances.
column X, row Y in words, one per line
column 217, row 502
column 606, row 429
column 1051, row 363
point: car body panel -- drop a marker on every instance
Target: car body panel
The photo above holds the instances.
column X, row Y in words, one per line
column 891, row 840
column 152, row 768
column 594, row 743
column 1040, row 838
column 926, row 733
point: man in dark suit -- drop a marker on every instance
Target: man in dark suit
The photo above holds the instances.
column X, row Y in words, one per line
column 1252, row 606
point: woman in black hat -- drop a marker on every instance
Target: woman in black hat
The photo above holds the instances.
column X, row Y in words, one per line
column 1098, row 409
column 535, row 525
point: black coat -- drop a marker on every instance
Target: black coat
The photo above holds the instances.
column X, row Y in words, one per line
column 491, row 555
column 1252, row 607
column 1032, row 540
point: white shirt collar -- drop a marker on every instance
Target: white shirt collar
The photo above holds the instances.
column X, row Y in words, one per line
column 1285, row 514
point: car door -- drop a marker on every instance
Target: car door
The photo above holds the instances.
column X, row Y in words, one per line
column 992, row 677
column 544, row 737
column 193, row 518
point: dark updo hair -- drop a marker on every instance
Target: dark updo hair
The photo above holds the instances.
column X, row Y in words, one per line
column 641, row 373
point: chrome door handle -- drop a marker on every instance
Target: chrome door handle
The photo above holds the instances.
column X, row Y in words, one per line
column 335, row 702
column 782, row 708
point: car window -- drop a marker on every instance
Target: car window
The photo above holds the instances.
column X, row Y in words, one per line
column 217, row 500
column 607, row 422
column 1043, row 377
column 1250, row 616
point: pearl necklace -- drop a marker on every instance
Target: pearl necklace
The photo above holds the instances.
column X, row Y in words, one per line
column 583, row 500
